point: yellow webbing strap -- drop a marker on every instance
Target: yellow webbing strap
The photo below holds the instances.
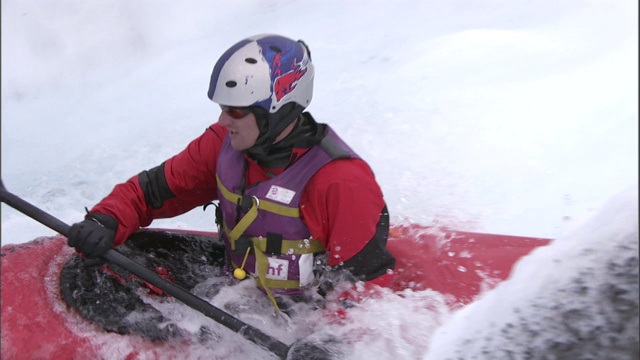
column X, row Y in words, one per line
column 244, row 223
column 283, row 284
column 260, row 243
column 265, row 205
column 289, row 247
column 262, row 265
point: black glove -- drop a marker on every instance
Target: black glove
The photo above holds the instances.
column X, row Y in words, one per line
column 93, row 236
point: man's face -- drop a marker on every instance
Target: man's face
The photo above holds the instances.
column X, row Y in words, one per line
column 242, row 126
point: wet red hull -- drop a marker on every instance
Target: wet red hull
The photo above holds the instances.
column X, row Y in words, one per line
column 36, row 323
column 459, row 264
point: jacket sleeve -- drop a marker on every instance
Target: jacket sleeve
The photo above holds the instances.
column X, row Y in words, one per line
column 181, row 183
column 343, row 206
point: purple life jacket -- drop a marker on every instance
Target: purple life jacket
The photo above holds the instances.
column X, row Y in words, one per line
column 261, row 225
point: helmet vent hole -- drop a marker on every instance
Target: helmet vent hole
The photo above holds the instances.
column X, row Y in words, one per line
column 251, row 60
column 275, row 48
column 231, row 84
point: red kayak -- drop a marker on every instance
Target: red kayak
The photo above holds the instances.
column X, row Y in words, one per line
column 40, row 281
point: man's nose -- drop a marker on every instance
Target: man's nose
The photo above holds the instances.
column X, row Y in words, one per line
column 224, row 119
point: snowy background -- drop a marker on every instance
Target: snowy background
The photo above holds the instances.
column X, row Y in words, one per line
column 510, row 117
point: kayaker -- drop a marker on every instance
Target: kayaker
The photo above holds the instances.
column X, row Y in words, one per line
column 294, row 199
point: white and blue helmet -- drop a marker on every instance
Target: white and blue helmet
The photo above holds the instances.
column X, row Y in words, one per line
column 267, row 71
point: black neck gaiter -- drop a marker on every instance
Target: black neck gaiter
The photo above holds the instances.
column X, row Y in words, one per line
column 305, row 134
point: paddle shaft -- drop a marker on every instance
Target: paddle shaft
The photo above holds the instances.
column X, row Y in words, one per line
column 253, row 334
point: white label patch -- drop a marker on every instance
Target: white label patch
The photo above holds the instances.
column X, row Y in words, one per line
column 278, row 269
column 280, row 194
column 306, row 269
